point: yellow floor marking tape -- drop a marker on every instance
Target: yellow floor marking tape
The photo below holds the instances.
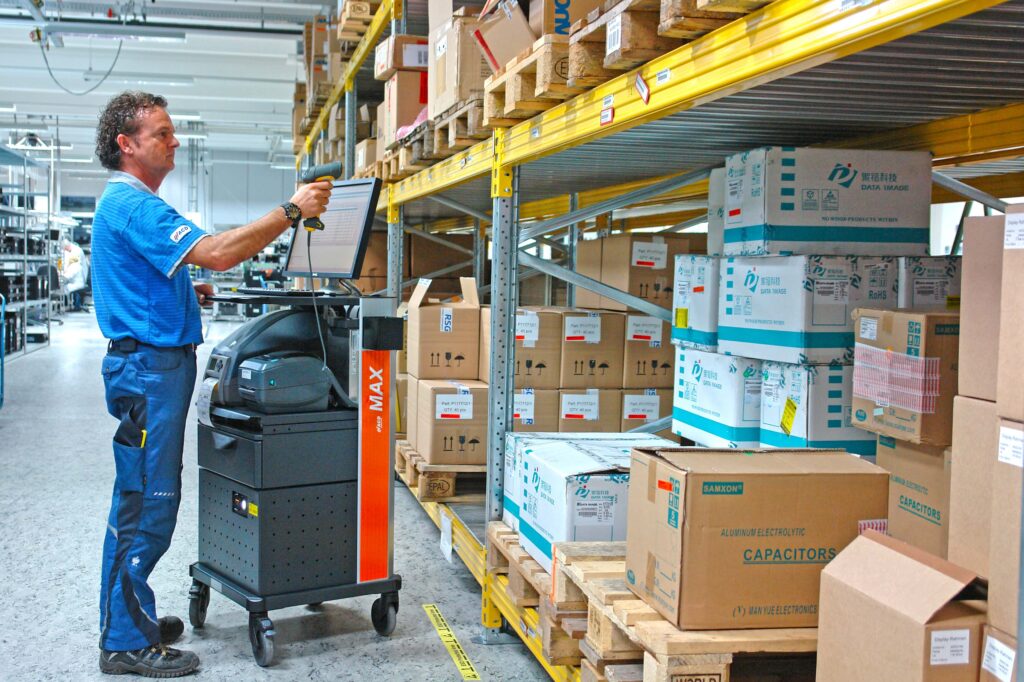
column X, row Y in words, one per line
column 455, row 650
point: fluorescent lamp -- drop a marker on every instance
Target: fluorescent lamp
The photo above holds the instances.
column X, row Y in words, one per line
column 66, row 160
column 141, row 78
column 113, row 30
column 190, row 136
column 289, row 167
column 179, row 117
column 8, row 109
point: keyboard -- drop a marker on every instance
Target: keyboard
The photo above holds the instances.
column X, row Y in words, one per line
column 260, row 291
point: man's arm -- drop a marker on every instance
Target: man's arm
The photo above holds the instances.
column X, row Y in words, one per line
column 225, row 250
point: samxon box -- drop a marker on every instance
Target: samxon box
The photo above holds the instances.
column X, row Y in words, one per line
column 722, row 539
column 808, row 406
column 788, row 200
column 695, row 302
column 717, row 399
column 797, row 309
column 928, row 282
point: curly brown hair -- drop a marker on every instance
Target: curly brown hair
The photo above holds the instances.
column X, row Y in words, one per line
column 121, row 116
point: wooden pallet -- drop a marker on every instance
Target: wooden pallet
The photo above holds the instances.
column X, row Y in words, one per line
column 532, row 82
column 620, row 626
column 685, row 19
column 740, row 6
column 354, row 19
column 438, row 482
column 528, row 586
column 459, row 128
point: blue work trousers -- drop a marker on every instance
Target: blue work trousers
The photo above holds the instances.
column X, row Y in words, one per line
column 148, row 392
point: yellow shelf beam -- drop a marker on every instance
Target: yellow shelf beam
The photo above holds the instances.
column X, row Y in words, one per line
column 388, row 10
column 784, row 38
column 466, row 165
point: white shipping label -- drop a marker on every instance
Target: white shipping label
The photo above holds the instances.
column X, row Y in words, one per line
column 528, row 328
column 446, row 537
column 447, row 321
column 654, row 256
column 642, row 328
column 523, row 406
column 645, row 407
column 869, row 328
column 585, row 406
column 1013, row 237
column 205, row 400
column 829, row 305
column 1011, row 447
column 586, row 329
column 613, row 41
column 459, row 406
column 951, row 647
column 998, row 659
column 591, row 512
column 442, row 47
column 414, row 56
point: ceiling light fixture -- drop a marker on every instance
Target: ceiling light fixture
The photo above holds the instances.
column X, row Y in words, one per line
column 12, row 109
column 113, row 30
column 67, row 160
column 181, row 117
column 190, row 136
column 141, row 78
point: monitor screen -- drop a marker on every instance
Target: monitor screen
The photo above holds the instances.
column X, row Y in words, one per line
column 338, row 249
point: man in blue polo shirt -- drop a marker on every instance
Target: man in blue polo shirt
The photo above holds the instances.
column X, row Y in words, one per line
column 148, row 307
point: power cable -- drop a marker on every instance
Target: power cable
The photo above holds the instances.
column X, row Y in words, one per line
column 46, row 60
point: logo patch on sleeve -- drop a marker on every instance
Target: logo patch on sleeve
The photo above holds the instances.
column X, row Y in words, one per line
column 180, row 233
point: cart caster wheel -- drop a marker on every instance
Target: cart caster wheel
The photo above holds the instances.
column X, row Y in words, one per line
column 314, row 605
column 384, row 614
column 261, row 636
column 198, row 602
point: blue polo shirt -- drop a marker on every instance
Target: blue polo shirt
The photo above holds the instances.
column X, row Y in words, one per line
column 139, row 288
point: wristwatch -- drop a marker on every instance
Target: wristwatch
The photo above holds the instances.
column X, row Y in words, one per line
column 293, row 212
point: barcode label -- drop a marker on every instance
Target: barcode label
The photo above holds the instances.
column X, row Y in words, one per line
column 415, row 56
column 613, row 41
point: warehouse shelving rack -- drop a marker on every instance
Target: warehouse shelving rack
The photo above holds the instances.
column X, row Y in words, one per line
column 939, row 75
column 19, row 220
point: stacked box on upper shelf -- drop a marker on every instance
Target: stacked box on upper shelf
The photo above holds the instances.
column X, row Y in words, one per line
column 928, row 282
column 797, row 309
column 789, row 200
column 695, row 302
column 717, row 399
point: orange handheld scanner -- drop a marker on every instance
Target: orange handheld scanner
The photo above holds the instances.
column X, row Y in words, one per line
column 325, row 171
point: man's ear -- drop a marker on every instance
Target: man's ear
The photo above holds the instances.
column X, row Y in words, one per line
column 124, row 143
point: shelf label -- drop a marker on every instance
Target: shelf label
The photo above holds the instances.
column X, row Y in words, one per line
column 607, row 115
column 528, row 328
column 643, row 328
column 458, row 406
column 584, row 406
column 642, row 88
column 586, row 329
column 664, row 76
column 642, row 407
column 608, row 102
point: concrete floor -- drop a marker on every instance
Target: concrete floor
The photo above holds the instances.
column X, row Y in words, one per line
column 56, row 473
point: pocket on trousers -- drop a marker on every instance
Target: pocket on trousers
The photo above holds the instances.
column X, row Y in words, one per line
column 159, row 361
column 130, row 463
column 113, row 364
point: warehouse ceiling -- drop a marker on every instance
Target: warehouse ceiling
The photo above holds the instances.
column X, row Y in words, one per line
column 227, row 69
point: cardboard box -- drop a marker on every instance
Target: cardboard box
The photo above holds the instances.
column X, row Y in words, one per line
column 457, row 70
column 928, row 282
column 644, row 264
column 716, row 213
column 451, row 421
column 382, row 131
column 808, row 406
column 717, row 399
column 557, row 16
column 607, row 446
column 405, row 95
column 538, row 353
column 403, row 355
column 695, row 302
column 1004, row 542
column 402, row 409
column 400, row 53
column 429, row 256
column 588, row 264
column 648, row 355
column 503, row 34
column 888, row 612
column 589, row 410
column 905, row 374
column 788, row 200
column 975, row 448
column 535, row 410
column 796, row 309
column 375, row 263
column 592, row 349
column 642, row 405
column 710, row 545
column 444, row 339
column 918, row 493
column 1009, row 388
column 980, row 294
column 574, row 495
column 413, row 405
column 366, row 154
column 998, row 656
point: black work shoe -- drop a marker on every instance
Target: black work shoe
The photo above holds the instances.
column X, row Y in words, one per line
column 153, row 661
column 171, row 628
